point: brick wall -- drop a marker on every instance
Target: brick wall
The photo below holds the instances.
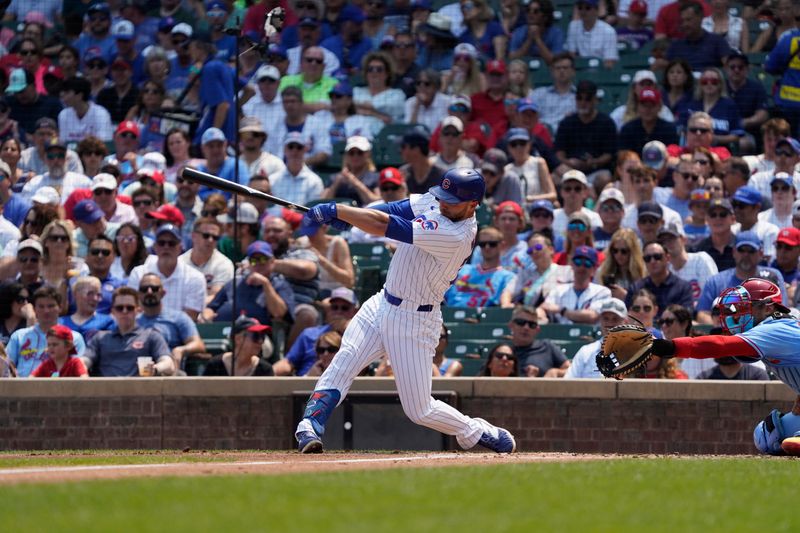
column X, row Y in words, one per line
column 251, row 413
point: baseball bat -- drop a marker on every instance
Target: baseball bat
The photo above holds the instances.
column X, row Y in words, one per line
column 215, row 182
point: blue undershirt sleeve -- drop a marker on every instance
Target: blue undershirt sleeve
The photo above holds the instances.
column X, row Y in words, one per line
column 401, row 209
column 400, row 229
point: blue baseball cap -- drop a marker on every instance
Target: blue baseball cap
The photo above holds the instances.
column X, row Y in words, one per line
column 542, row 205
column 216, row 5
column 351, row 13
column 172, row 229
column 87, row 211
column 166, row 24
column 460, row 185
column 260, row 247
column 782, row 177
column 99, row 7
column 277, row 50
column 211, row 135
column 342, row 89
column 518, row 134
column 650, row 209
column 747, row 195
column 308, row 21
column 748, row 238
column 587, row 252
column 793, row 143
column 425, row 5
column 526, row 104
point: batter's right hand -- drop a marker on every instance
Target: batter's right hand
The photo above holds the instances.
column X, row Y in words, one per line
column 322, row 213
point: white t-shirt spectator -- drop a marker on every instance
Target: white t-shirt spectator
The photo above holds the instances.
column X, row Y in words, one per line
column 96, row 121
column 217, row 271
column 564, row 296
column 584, row 365
column 768, row 233
column 762, row 182
column 430, row 116
column 770, row 217
column 600, row 41
column 185, row 288
column 65, row 186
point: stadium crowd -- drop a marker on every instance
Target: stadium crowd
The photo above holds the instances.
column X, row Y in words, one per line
column 639, row 156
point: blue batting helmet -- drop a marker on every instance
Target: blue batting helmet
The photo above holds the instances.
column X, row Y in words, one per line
column 460, row 185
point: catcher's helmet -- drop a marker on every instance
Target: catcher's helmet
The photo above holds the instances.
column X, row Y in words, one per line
column 736, row 303
column 460, row 185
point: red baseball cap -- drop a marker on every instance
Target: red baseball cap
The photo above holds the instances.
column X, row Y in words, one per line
column 638, row 7
column 155, row 175
column 65, row 334
column 128, row 126
column 790, row 236
column 167, row 213
column 649, row 96
column 390, row 175
column 509, row 205
column 495, row 66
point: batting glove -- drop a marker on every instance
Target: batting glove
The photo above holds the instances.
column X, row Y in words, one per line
column 323, row 213
column 340, row 224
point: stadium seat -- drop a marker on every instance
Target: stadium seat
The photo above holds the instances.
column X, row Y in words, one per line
column 495, row 315
column 454, row 315
column 472, row 367
column 478, row 331
column 215, row 336
column 369, row 280
column 469, row 349
column 386, row 145
column 568, row 332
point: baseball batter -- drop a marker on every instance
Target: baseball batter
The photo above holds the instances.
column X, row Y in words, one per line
column 760, row 327
column 437, row 232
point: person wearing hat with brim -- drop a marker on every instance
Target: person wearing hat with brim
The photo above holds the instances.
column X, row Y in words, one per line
column 450, row 153
column 787, row 157
column 26, row 105
column 476, row 138
column 747, row 255
column 696, row 226
column 746, row 203
column 611, row 209
column 215, row 86
column 214, row 146
column 590, row 37
column 613, row 312
column 587, row 140
column 260, row 292
column 98, row 34
column 509, row 218
column 439, row 45
column 579, row 233
column 649, row 220
column 57, row 175
column 185, row 287
column 489, row 106
column 296, row 119
column 217, row 14
column 356, row 181
column 128, row 56
column 392, row 188
column 787, row 254
column 694, row 267
column 61, row 361
column 253, row 137
column 104, row 193
column 500, row 187
column 179, row 75
column 649, row 123
column 783, row 196
column 247, row 349
column 297, row 183
column 634, row 29
column 289, row 37
column 644, row 182
column 574, row 191
column 34, row 159
column 265, row 103
column 642, row 79
column 530, row 170
column 663, row 284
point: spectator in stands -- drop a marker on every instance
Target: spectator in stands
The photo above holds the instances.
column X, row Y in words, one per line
column 644, row 180
column 27, row 347
column 611, row 208
column 558, row 100
column 771, row 132
column 719, row 244
column 579, row 233
column 723, row 23
column 448, row 368
column 247, row 338
column 500, row 186
column 180, row 61
column 747, row 203
column 579, row 301
column 429, row 105
column 297, row 183
column 696, row 267
column 188, row 203
column 81, row 117
column 519, row 80
column 541, row 219
column 714, row 100
column 698, row 47
column 666, row 286
column 298, row 121
column 404, row 54
column 60, row 361
column 104, row 193
column 91, row 152
column 477, row 136
column 26, row 104
column 535, row 281
column 144, row 113
column 342, row 121
column 485, row 284
column 206, row 258
column 146, row 199
column 420, row 173
column 482, row 30
column 649, row 220
column 56, row 175
column 327, row 346
column 313, row 82
column 636, row 32
column 357, row 180
column 244, row 220
column 215, row 89
column 451, row 134
column 378, row 99
column 178, row 330
column 730, row 368
column 502, row 362
column 58, row 264
column 122, row 94
column 99, row 259
column 747, row 255
column 782, row 62
column 583, row 365
column 350, row 44
column 531, row 171
column 115, row 353
column 98, row 35
column 16, row 311
column 623, row 264
column 26, row 266
column 509, row 219
column 748, row 95
column 587, row 140
column 96, row 71
column 90, row 222
column 574, row 191
column 678, row 87
column 185, row 287
column 489, row 105
column 540, row 36
column 670, row 22
column 14, row 206
column 643, row 79
column 787, row 247
column 685, row 179
column 590, row 37
column 310, row 36
column 539, row 357
column 259, row 162
column 342, row 306
column 783, row 196
column 439, row 42
column 465, row 77
column 648, row 125
column 787, row 157
column 11, row 154
column 735, row 174
column 265, row 105
column 130, row 250
column 86, row 320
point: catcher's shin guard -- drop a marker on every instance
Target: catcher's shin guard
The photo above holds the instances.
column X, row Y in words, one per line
column 770, row 433
column 319, row 408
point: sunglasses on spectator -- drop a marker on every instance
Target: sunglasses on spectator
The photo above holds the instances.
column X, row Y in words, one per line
column 97, row 153
column 343, row 307
column 690, row 176
column 355, row 152
column 58, row 238
column 95, row 65
column 462, row 57
column 258, row 260
column 621, row 251
column 517, row 144
column 376, row 69
column 511, row 101
column 785, row 153
column 490, row 244
column 314, row 60
column 576, row 226
column 144, row 289
column 390, row 188
column 582, row 262
column 641, row 308
column 737, row 66
column 21, row 299
column 140, row 203
column 666, row 322
column 450, row 133
column 504, row 357
column 294, row 146
column 538, row 247
column 404, row 45
column 652, row 257
column 424, row 83
column 717, row 214
column 542, row 214
column 335, row 96
column 210, row 212
column 327, row 349
column 28, row 259
column 784, row 246
column 27, row 52
column 208, row 236
column 709, row 81
column 779, row 188
column 167, row 243
column 747, row 250
column 740, row 205
column 102, row 192
column 127, row 135
column 124, row 308
column 648, row 220
column 699, row 131
column 56, row 155
column 458, row 108
column 578, row 188
column 97, row 252
column 610, row 208
column 522, row 322
column 258, row 338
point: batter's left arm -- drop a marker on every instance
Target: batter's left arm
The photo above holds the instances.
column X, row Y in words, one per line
column 376, row 222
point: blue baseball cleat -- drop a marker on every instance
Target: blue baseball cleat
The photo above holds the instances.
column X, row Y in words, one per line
column 503, row 443
column 308, row 442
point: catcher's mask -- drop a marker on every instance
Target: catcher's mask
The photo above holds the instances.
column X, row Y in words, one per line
column 736, row 310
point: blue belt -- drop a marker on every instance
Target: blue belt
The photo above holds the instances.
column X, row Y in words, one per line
column 394, row 300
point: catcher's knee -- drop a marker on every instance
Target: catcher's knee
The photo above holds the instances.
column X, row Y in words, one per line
column 770, row 432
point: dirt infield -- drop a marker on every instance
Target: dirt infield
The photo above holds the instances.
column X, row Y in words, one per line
column 232, row 463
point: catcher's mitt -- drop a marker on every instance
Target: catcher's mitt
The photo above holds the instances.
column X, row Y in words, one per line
column 624, row 349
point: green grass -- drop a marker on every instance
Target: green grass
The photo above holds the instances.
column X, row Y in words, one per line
column 641, row 495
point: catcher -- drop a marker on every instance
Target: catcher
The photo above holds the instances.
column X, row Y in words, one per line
column 759, row 327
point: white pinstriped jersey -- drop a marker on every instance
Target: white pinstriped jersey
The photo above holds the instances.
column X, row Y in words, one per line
column 422, row 272
column 775, row 341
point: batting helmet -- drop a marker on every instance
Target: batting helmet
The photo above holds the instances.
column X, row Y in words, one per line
column 460, row 185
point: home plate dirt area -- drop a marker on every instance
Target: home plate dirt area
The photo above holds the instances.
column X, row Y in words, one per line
column 113, row 465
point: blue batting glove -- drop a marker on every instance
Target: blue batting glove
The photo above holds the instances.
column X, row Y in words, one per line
column 322, row 213
column 340, row 225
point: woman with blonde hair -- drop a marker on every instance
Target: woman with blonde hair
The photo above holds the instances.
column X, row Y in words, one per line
column 643, row 79
column 58, row 263
column 482, row 30
column 327, row 346
column 711, row 96
column 579, row 233
column 519, row 79
column 732, row 28
column 623, row 264
column 465, row 77
column 627, row 160
column 357, row 180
